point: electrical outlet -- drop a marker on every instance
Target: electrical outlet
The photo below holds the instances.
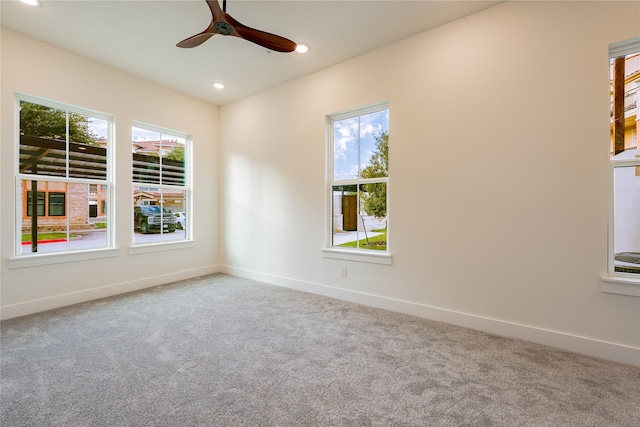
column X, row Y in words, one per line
column 343, row 271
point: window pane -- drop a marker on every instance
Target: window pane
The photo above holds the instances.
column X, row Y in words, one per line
column 345, row 214
column 154, row 215
column 176, row 205
column 43, row 138
column 173, row 170
column 45, row 143
column 58, row 227
column 374, row 144
column 146, row 161
column 360, row 146
column 158, row 158
column 345, row 149
column 626, row 239
column 87, row 147
column 359, row 216
column 373, row 216
column 625, row 89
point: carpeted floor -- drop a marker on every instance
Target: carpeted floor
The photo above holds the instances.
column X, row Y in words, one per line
column 224, row 351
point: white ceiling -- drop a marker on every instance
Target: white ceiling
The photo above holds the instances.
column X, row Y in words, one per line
column 139, row 36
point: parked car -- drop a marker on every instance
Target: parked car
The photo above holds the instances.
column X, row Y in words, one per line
column 180, row 220
column 148, row 219
column 627, row 262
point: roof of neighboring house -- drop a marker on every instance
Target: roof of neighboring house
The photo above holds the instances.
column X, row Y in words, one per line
column 154, row 146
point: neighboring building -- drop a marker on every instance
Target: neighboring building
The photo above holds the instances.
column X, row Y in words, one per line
column 155, row 148
column 173, row 201
column 53, row 210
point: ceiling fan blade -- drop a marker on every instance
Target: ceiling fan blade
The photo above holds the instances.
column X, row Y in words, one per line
column 214, row 6
column 264, row 39
column 196, row 40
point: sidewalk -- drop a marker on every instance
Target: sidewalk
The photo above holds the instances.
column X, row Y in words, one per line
column 351, row 236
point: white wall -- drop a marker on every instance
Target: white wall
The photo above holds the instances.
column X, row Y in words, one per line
column 37, row 68
column 499, row 184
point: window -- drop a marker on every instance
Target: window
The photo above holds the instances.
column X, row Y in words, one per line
column 39, row 203
column 358, row 179
column 624, row 253
column 56, row 204
column 160, row 185
column 63, row 153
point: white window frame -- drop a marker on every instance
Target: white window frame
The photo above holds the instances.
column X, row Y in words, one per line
column 618, row 282
column 350, row 254
column 188, row 241
column 19, row 260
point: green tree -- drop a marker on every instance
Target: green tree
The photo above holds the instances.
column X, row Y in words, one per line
column 374, row 196
column 46, row 122
column 176, row 153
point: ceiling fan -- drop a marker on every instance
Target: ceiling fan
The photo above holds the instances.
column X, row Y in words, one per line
column 222, row 23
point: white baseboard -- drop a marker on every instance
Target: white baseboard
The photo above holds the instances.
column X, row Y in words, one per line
column 574, row 343
column 43, row 304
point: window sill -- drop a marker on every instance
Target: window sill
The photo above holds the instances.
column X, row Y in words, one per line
column 164, row 246
column 55, row 258
column 620, row 285
column 360, row 256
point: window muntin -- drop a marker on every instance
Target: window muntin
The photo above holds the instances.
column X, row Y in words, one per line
column 359, row 153
column 624, row 252
column 63, row 151
column 160, row 192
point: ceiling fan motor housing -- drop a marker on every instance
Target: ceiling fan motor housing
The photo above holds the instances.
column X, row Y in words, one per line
column 223, row 28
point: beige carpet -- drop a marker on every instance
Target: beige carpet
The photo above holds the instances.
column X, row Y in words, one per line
column 223, row 351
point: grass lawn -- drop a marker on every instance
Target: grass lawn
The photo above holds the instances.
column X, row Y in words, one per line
column 377, row 243
column 47, row 236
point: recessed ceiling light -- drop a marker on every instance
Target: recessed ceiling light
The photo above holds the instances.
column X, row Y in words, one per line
column 218, row 85
column 302, row 48
column 31, row 2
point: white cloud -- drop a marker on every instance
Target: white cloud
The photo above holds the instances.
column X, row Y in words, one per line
column 345, row 132
column 98, row 127
column 341, row 146
column 139, row 134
